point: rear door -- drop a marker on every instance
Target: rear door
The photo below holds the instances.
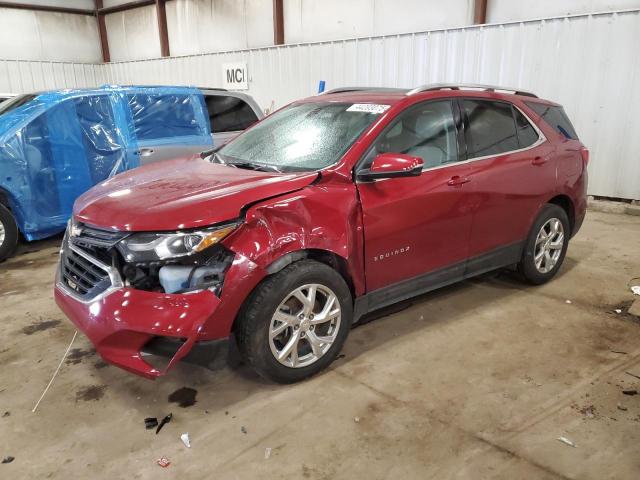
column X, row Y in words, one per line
column 416, row 229
column 168, row 125
column 512, row 175
column 228, row 116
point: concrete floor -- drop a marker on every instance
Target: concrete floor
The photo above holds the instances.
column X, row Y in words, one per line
column 474, row 381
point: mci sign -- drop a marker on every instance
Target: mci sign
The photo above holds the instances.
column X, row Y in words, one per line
column 234, row 76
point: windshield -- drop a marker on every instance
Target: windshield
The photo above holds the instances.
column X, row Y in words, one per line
column 308, row 136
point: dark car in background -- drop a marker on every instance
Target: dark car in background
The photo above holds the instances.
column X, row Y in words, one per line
column 58, row 144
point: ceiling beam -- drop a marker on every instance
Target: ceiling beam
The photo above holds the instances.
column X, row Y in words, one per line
column 126, row 6
column 46, row 8
column 480, row 11
column 278, row 22
column 162, row 28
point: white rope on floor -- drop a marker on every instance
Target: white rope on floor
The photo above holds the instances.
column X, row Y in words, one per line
column 56, row 372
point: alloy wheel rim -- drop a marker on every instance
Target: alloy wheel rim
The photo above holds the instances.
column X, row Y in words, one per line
column 305, row 325
column 2, row 233
column 548, row 247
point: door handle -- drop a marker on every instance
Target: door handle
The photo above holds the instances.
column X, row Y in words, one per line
column 457, row 181
column 145, row 152
column 539, row 161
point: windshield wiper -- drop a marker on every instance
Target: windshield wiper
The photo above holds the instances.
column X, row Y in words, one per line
column 255, row 166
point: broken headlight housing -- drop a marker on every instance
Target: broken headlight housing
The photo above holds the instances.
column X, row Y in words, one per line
column 151, row 247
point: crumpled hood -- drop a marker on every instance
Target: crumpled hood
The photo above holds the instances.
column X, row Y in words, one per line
column 180, row 193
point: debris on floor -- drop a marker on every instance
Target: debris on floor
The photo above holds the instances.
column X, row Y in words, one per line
column 566, row 441
column 622, row 407
column 267, row 453
column 163, row 462
column 356, row 419
column 630, row 392
column 150, row 422
column 184, row 397
column 588, row 411
column 243, row 429
column 568, row 302
column 618, row 310
column 8, row 459
column 164, row 421
column 636, row 289
column 618, row 351
column 185, row 439
column 6, row 414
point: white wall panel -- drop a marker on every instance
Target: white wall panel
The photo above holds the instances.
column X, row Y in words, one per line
column 197, row 26
column 588, row 63
column 34, row 35
column 19, row 76
column 509, row 10
column 311, row 20
column 133, row 34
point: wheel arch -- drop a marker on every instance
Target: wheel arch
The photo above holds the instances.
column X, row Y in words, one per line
column 329, row 258
column 565, row 202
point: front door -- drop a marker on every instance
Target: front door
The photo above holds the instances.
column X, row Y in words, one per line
column 418, row 227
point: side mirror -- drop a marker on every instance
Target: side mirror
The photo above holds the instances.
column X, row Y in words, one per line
column 392, row 165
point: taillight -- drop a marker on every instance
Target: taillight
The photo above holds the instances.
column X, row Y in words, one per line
column 585, row 156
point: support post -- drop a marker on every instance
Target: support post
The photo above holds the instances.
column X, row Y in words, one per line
column 480, row 11
column 102, row 30
column 162, row 28
column 278, row 22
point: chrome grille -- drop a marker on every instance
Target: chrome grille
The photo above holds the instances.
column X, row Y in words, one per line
column 85, row 262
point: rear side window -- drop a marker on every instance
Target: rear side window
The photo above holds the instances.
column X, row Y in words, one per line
column 229, row 114
column 556, row 118
column 527, row 135
column 491, row 129
column 163, row 116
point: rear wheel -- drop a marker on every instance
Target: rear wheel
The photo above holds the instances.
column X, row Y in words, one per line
column 546, row 245
column 296, row 321
column 8, row 233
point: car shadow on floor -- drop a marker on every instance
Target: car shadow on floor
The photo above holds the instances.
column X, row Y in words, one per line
column 217, row 356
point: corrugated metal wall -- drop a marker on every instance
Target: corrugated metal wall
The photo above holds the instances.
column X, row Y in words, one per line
column 589, row 63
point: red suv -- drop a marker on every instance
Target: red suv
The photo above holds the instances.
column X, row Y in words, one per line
column 332, row 207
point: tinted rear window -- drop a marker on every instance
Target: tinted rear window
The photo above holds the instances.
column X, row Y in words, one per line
column 556, row 118
column 492, row 130
column 527, row 135
column 229, row 114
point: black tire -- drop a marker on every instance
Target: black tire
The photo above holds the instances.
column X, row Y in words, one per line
column 254, row 322
column 527, row 266
column 8, row 223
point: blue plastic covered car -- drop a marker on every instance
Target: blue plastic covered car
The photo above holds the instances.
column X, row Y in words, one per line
column 56, row 145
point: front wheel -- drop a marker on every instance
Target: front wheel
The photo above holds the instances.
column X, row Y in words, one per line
column 546, row 245
column 8, row 233
column 295, row 322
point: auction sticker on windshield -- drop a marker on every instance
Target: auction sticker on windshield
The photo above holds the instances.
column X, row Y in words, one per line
column 368, row 108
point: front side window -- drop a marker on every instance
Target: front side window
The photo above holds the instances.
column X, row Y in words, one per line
column 307, row 136
column 229, row 114
column 427, row 131
column 163, row 116
column 491, row 129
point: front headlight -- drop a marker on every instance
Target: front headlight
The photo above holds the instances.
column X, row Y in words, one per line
column 149, row 247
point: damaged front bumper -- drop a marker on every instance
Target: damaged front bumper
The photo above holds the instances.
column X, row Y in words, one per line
column 122, row 322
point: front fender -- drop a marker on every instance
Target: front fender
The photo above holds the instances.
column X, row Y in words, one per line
column 321, row 217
